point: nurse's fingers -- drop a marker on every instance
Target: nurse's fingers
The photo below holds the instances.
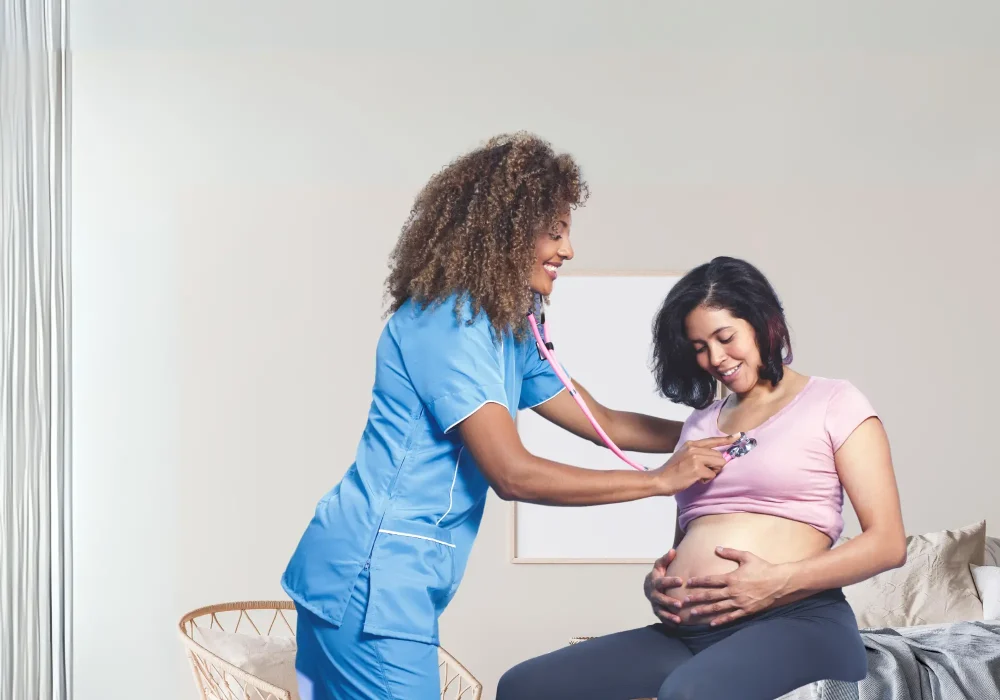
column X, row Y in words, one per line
column 713, row 442
column 708, row 457
column 707, row 473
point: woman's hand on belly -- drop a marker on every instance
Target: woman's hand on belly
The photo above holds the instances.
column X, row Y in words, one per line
column 755, row 585
column 658, row 586
column 773, row 543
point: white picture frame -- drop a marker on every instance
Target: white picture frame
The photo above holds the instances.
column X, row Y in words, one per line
column 601, row 326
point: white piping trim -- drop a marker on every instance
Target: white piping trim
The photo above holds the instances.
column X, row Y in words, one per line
column 473, row 411
column 419, row 537
column 528, row 408
column 451, row 491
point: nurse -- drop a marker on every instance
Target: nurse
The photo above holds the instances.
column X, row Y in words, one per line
column 386, row 548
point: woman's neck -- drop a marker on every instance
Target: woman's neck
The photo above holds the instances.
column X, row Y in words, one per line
column 765, row 391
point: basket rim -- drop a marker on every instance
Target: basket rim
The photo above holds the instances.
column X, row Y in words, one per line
column 195, row 649
column 233, row 606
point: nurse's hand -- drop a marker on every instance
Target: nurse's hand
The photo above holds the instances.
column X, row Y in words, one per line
column 698, row 460
column 656, row 586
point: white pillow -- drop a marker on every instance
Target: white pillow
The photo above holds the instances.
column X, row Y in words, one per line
column 992, row 551
column 987, row 580
column 272, row 659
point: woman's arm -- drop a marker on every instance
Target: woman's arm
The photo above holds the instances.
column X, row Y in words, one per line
column 517, row 475
column 633, row 432
column 864, row 463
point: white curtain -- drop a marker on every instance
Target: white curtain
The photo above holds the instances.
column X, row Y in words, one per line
column 35, row 516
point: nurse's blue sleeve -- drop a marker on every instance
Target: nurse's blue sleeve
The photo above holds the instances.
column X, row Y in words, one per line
column 454, row 367
column 540, row 382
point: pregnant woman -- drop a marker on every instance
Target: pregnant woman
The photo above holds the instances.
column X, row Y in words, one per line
column 749, row 601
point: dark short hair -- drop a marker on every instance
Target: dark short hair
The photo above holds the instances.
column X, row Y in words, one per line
column 724, row 283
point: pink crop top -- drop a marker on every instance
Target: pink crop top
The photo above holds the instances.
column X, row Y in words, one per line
column 791, row 472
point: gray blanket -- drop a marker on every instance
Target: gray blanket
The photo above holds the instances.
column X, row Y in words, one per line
column 957, row 661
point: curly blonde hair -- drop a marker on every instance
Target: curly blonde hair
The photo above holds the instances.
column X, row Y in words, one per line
column 472, row 229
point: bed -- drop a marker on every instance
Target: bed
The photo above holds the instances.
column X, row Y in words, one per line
column 932, row 627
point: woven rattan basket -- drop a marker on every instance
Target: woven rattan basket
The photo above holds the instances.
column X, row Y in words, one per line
column 217, row 679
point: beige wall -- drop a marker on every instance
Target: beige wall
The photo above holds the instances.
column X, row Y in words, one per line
column 233, row 209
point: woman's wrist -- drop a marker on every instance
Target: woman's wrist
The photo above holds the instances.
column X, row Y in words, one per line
column 787, row 579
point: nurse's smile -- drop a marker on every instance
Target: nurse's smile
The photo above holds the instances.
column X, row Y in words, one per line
column 552, row 249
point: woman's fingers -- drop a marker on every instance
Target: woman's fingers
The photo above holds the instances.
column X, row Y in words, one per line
column 712, row 608
column 661, row 588
column 661, row 564
column 667, row 616
column 665, row 601
column 707, row 596
column 728, row 617
column 665, row 583
column 716, row 581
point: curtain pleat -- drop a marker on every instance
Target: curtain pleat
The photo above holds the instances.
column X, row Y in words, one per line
column 35, row 398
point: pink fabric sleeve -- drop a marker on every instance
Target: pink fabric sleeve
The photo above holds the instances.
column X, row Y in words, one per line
column 848, row 408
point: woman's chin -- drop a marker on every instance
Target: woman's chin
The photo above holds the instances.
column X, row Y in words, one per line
column 740, row 384
column 735, row 387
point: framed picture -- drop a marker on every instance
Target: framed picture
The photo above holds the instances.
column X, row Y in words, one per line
column 601, row 326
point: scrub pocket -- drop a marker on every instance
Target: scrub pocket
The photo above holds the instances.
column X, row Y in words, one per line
column 412, row 570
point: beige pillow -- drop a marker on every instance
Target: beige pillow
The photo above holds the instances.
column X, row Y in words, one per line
column 934, row 585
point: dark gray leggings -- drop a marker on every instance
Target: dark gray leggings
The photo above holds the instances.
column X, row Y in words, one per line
column 759, row 658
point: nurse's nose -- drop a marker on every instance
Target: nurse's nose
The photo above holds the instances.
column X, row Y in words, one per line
column 566, row 249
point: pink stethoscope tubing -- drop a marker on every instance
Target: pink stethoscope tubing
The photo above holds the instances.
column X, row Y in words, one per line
column 547, row 349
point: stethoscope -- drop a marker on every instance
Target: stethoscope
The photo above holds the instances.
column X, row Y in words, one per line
column 546, row 350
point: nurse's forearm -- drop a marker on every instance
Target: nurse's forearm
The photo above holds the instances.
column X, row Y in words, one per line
column 490, row 436
column 545, row 482
column 637, row 432
column 632, row 432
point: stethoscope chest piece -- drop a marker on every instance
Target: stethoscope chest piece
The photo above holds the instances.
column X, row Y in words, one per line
column 742, row 446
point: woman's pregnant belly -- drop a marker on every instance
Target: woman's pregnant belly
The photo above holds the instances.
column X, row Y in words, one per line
column 774, row 539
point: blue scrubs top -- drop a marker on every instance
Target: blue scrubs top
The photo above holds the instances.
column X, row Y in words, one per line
column 409, row 507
